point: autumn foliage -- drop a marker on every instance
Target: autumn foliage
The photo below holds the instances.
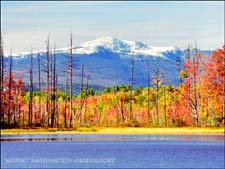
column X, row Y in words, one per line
column 197, row 101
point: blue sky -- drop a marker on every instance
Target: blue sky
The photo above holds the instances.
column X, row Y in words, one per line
column 156, row 23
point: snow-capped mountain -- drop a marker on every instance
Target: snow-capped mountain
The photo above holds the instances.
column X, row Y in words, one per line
column 114, row 45
column 124, row 46
column 108, row 60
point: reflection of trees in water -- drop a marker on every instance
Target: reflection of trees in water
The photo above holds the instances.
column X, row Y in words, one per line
column 115, row 138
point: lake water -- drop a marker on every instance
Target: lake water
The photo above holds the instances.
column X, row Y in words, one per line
column 112, row 151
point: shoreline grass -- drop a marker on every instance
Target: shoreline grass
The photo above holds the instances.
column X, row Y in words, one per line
column 116, row 130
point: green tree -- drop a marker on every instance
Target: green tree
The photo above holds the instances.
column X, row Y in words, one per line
column 106, row 90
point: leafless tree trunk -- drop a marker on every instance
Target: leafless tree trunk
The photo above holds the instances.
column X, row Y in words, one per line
column 1, row 79
column 40, row 116
column 131, row 88
column 10, row 87
column 189, row 86
column 71, row 77
column 47, row 81
column 85, row 102
column 148, row 93
column 195, row 89
column 164, row 104
column 193, row 103
column 53, row 69
column 56, row 92
column 157, row 92
column 179, row 69
column 175, row 106
column 122, row 101
column 30, row 114
column 16, row 111
column 81, row 92
column 65, row 102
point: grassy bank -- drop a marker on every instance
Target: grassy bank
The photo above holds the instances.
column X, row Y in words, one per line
column 119, row 130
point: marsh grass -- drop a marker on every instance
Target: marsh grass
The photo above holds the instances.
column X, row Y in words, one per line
column 116, row 130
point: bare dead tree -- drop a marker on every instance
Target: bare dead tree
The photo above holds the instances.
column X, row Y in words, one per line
column 164, row 101
column 50, row 90
column 17, row 111
column 179, row 69
column 65, row 103
column 39, row 89
column 10, row 88
column 174, row 106
column 120, row 106
column 53, row 74
column 71, row 76
column 30, row 113
column 1, row 78
column 148, row 64
column 56, row 93
column 85, row 102
column 81, row 92
column 189, row 86
column 157, row 92
column 131, row 88
column 193, row 97
column 157, row 81
column 69, row 71
column 47, row 69
column 195, row 66
column 122, row 103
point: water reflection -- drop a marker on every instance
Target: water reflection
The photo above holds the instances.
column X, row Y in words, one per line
column 102, row 137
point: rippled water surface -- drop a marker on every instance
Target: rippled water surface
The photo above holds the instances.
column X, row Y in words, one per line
column 112, row 151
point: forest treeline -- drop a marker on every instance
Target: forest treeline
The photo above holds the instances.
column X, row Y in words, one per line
column 199, row 100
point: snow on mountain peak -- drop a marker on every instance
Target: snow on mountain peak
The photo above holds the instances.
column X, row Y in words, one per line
column 114, row 45
column 123, row 46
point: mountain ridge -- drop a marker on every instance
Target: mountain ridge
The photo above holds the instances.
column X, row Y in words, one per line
column 108, row 60
column 114, row 44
